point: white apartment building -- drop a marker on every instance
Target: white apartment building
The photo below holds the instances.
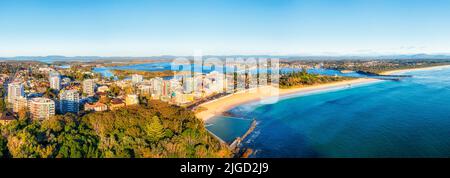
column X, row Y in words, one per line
column 20, row 103
column 55, row 80
column 136, row 78
column 89, row 87
column 15, row 90
column 41, row 108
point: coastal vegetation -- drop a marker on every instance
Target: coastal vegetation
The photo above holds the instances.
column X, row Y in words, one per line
column 122, row 74
column 367, row 66
column 154, row 130
column 303, row 78
column 378, row 67
column 80, row 72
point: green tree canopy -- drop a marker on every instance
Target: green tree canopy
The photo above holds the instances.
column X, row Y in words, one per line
column 154, row 129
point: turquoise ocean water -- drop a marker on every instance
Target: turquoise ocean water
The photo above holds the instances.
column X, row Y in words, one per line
column 410, row 118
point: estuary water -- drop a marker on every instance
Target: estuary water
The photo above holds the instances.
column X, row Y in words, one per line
column 410, row 118
column 163, row 66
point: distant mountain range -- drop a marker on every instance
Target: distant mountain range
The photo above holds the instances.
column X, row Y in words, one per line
column 374, row 57
column 55, row 58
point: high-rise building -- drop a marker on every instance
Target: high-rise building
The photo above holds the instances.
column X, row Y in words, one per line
column 175, row 84
column 216, row 82
column 55, row 80
column 15, row 90
column 89, row 87
column 188, row 85
column 136, row 78
column 20, row 103
column 41, row 108
column 69, row 101
column 156, row 86
column 229, row 86
column 165, row 88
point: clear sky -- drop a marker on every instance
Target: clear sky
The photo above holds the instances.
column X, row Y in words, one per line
column 223, row 27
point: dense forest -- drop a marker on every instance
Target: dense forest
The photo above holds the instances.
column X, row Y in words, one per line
column 303, row 78
column 147, row 131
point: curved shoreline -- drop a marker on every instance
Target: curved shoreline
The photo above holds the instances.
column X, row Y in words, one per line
column 221, row 105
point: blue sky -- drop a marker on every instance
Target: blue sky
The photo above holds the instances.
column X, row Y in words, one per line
column 223, row 27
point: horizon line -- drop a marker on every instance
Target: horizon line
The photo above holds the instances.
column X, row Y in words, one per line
column 274, row 55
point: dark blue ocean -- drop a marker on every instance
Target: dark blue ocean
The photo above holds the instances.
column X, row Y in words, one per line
column 410, row 118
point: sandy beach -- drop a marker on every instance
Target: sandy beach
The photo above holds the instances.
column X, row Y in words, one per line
column 219, row 106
